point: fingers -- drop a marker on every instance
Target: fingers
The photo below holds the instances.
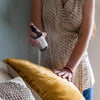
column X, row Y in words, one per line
column 32, row 34
column 34, row 42
column 44, row 34
column 57, row 71
column 35, row 35
column 63, row 74
column 68, row 76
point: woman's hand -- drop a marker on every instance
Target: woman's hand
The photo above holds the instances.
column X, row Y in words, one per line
column 33, row 41
column 64, row 73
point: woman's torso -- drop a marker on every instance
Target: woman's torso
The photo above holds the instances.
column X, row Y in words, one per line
column 62, row 25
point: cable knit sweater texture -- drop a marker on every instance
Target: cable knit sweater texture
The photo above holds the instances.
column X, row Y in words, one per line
column 62, row 25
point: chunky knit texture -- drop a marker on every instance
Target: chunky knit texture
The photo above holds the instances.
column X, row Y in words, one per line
column 14, row 91
column 62, row 25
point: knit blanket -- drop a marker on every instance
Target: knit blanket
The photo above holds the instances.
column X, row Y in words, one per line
column 14, row 91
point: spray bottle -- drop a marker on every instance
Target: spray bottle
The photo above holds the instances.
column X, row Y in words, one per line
column 43, row 45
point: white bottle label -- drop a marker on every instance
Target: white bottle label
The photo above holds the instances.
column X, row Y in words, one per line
column 42, row 42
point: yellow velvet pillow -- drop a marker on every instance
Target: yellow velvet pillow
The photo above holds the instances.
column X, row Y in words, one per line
column 47, row 84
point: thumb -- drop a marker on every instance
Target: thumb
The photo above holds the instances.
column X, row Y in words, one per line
column 44, row 34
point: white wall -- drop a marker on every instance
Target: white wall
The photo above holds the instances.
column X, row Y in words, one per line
column 94, row 54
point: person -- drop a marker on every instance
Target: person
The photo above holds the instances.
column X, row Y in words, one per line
column 67, row 26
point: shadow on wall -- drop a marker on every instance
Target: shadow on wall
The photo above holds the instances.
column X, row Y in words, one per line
column 14, row 25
